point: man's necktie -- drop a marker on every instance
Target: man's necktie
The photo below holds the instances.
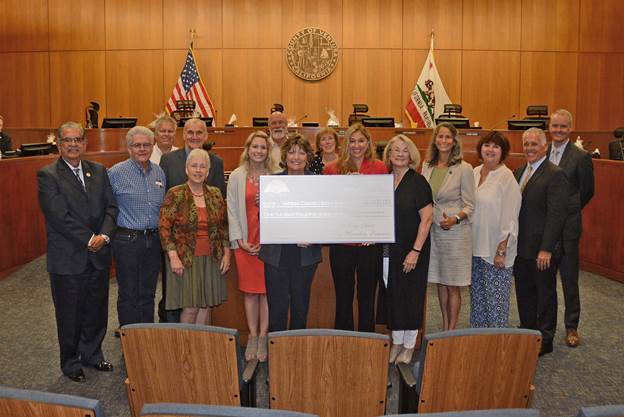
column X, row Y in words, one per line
column 77, row 172
column 554, row 157
column 529, row 170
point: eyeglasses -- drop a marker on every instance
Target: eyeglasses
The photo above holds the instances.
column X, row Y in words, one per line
column 141, row 146
column 72, row 140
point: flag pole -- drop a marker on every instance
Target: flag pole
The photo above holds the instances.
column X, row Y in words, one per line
column 432, row 36
column 192, row 33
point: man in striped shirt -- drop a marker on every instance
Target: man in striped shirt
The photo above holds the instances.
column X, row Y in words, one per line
column 139, row 187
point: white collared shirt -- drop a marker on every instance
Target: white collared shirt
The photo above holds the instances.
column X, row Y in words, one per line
column 73, row 170
column 557, row 151
column 535, row 165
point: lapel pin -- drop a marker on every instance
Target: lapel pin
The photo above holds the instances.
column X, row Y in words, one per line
column 89, row 174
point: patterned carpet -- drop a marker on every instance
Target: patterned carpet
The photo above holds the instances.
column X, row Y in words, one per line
column 567, row 379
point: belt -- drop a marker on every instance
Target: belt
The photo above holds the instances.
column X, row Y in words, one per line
column 146, row 232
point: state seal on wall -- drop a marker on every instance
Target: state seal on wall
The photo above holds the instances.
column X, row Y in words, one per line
column 312, row 54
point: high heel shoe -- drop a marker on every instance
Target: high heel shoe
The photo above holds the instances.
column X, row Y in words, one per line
column 252, row 348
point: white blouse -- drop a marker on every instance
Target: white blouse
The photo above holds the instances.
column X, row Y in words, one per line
column 495, row 216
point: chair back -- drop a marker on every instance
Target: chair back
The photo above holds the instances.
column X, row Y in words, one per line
column 28, row 403
column 508, row 412
column 477, row 369
column 328, row 372
column 178, row 410
column 181, row 363
column 602, row 411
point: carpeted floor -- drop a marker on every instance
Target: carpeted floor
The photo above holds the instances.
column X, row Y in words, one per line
column 592, row 374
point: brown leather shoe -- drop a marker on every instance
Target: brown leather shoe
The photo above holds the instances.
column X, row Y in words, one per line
column 572, row 338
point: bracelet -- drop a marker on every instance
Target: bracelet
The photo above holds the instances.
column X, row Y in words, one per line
column 501, row 252
column 416, row 250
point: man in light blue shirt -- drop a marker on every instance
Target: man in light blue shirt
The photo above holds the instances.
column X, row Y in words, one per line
column 139, row 187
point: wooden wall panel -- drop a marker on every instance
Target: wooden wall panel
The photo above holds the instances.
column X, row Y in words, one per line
column 323, row 14
column 252, row 82
column 550, row 25
column 314, row 99
column 491, row 24
column 443, row 16
column 76, row 78
column 25, row 89
column 372, row 23
column 372, row 77
column 600, row 91
column 202, row 15
column 134, row 84
column 134, row 24
column 252, row 24
column 490, row 86
column 209, row 65
column 23, row 25
column 601, row 25
column 548, row 78
column 76, row 25
column 449, row 65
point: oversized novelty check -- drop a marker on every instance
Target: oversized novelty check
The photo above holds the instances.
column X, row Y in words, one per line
column 326, row 208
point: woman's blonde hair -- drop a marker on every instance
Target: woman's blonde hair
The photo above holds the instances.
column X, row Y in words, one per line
column 433, row 154
column 411, row 149
column 269, row 164
column 345, row 164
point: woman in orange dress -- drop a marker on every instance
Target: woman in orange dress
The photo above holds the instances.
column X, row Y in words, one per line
column 243, row 185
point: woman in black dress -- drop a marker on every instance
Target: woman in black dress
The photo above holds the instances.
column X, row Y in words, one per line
column 405, row 272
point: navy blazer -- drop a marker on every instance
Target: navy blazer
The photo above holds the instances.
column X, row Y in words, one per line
column 271, row 254
column 543, row 210
column 579, row 169
column 174, row 165
column 73, row 214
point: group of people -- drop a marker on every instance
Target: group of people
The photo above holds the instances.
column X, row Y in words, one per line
column 167, row 209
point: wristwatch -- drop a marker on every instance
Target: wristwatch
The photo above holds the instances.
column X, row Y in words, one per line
column 459, row 219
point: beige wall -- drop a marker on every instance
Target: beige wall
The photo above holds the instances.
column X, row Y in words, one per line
column 495, row 56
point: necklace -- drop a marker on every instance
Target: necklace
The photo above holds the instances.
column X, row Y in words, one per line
column 197, row 195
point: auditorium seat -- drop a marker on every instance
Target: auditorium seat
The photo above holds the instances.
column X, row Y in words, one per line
column 509, row 412
column 602, row 411
column 471, row 369
column 185, row 363
column 328, row 372
column 192, row 410
column 27, row 403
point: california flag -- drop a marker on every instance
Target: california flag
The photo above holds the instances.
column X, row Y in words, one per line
column 428, row 96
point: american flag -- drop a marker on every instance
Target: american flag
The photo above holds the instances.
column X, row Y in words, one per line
column 191, row 87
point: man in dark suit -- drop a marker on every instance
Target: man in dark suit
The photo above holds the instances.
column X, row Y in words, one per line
column 5, row 140
column 80, row 212
column 577, row 164
column 174, row 165
column 542, row 214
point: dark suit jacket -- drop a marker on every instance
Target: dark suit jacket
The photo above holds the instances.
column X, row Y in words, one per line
column 174, row 165
column 5, row 142
column 578, row 167
column 543, row 211
column 271, row 254
column 73, row 215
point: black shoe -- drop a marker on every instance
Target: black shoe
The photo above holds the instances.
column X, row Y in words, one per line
column 77, row 376
column 545, row 349
column 104, row 366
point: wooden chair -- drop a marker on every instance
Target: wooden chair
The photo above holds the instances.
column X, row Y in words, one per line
column 508, row 412
column 27, row 403
column 602, row 411
column 471, row 369
column 192, row 410
column 185, row 363
column 328, row 372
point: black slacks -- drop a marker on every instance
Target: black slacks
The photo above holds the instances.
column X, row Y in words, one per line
column 288, row 287
column 346, row 263
column 137, row 260
column 81, row 307
column 536, row 294
column 569, row 271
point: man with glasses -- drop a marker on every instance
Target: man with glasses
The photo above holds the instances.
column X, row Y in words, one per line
column 139, row 187
column 80, row 213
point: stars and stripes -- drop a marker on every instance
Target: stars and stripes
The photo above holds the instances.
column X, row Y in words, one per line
column 191, row 87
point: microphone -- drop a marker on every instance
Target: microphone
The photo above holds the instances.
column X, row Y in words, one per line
column 305, row 116
column 497, row 124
